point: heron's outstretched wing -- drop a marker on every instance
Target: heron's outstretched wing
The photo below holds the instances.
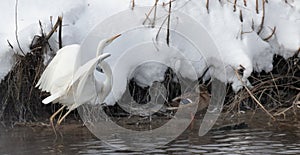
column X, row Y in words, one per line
column 86, row 80
column 59, row 72
column 53, row 97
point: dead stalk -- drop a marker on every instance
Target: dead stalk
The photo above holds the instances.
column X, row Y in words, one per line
column 269, row 37
column 257, row 11
column 39, row 41
column 245, row 3
column 273, row 79
column 148, row 14
column 16, row 28
column 132, row 4
column 262, row 19
column 241, row 16
column 156, row 37
column 234, row 6
column 60, row 34
column 9, row 44
column 57, row 24
column 154, row 16
column 207, row 6
column 168, row 27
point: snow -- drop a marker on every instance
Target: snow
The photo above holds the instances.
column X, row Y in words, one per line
column 239, row 44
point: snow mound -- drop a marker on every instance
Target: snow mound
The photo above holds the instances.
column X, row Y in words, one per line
column 246, row 37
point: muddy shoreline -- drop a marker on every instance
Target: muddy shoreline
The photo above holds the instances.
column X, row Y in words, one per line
column 243, row 120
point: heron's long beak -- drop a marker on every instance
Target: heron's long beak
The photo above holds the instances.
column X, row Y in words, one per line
column 104, row 56
column 114, row 37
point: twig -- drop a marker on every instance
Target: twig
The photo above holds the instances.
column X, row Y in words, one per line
column 9, row 44
column 241, row 16
column 147, row 18
column 252, row 25
column 207, row 6
column 283, row 112
column 257, row 11
column 245, row 3
column 16, row 23
column 156, row 37
column 253, row 97
column 41, row 27
column 269, row 37
column 168, row 27
column 132, row 4
column 295, row 104
column 154, row 16
column 60, row 33
column 57, row 24
column 234, row 6
column 273, row 79
column 165, row 4
column 262, row 19
column 51, row 21
column 147, row 15
column 39, row 41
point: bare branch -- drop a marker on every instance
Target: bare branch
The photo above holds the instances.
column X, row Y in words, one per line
column 262, row 19
column 156, row 37
column 207, row 5
column 269, row 37
column 241, row 16
column 57, row 24
column 60, row 34
column 234, row 6
column 132, row 4
column 16, row 30
column 168, row 27
column 257, row 11
column 245, row 3
column 10, row 45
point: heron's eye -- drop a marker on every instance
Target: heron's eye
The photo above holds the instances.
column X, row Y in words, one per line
column 99, row 69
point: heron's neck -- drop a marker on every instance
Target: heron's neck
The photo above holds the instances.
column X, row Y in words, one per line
column 107, row 84
column 100, row 48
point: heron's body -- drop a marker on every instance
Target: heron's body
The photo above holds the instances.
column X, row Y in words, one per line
column 73, row 87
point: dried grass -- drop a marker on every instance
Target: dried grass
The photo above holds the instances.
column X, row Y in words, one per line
column 276, row 90
column 20, row 101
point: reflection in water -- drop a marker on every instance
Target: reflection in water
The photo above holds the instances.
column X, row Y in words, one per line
column 77, row 139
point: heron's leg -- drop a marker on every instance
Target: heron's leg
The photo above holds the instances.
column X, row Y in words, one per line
column 192, row 121
column 61, row 119
column 53, row 116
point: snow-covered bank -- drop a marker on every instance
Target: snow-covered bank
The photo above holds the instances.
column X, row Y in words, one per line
column 234, row 27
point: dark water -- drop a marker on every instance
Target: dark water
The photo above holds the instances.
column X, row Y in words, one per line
column 275, row 139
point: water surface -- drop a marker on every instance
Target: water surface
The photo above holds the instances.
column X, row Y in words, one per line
column 262, row 138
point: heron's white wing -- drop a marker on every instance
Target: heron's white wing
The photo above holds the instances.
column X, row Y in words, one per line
column 53, row 97
column 86, row 89
column 59, row 72
column 88, row 67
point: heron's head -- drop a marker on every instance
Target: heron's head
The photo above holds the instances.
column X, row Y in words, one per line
column 105, row 42
column 110, row 40
column 102, row 57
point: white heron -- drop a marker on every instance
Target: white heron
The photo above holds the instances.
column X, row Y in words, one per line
column 71, row 87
